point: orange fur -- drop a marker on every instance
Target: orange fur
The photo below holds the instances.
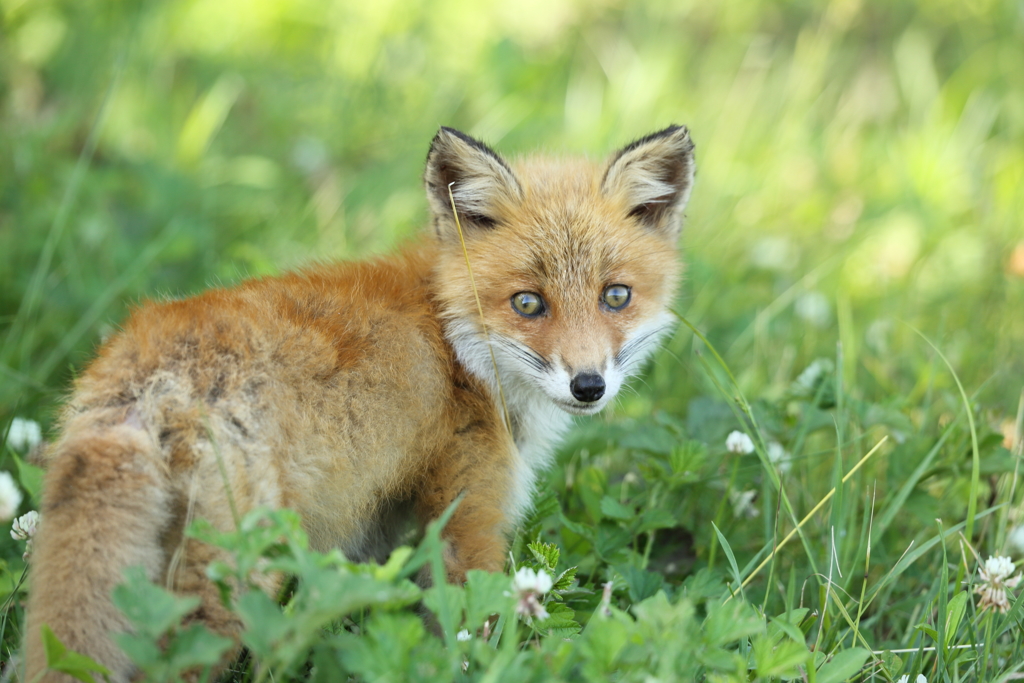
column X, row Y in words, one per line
column 356, row 393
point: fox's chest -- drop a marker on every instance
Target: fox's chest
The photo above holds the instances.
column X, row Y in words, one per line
column 538, row 427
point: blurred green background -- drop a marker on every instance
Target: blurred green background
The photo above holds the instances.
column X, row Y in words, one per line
column 861, row 164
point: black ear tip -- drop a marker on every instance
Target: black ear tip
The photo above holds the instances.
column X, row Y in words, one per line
column 445, row 130
column 443, row 134
column 682, row 133
column 446, row 136
column 468, row 139
column 445, row 142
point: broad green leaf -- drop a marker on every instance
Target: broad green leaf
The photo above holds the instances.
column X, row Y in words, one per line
column 705, row 583
column 652, row 438
column 730, row 622
column 197, row 646
column 843, row 665
column 545, row 553
column 486, row 594
column 642, row 584
column 688, row 460
column 583, row 530
column 152, row 609
column 561, row 619
column 141, row 649
column 656, row 518
column 789, row 624
column 720, row 659
column 446, row 599
column 892, row 663
column 30, row 476
column 657, row 617
column 932, row 633
column 264, row 622
column 565, row 579
column 326, row 665
column 616, row 510
column 54, row 649
column 954, row 614
column 394, row 647
column 59, row 658
column 611, row 538
column 602, row 641
column 591, row 485
column 778, row 660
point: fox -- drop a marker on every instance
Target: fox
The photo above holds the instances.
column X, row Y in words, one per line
column 364, row 395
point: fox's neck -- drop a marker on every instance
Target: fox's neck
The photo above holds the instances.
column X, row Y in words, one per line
column 537, row 424
column 537, row 428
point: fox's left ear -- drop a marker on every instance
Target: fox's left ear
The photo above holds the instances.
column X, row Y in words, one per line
column 652, row 177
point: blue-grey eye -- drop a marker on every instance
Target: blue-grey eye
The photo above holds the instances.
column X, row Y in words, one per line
column 616, row 297
column 528, row 303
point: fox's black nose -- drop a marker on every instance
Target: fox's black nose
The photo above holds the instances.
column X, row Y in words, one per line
column 587, row 386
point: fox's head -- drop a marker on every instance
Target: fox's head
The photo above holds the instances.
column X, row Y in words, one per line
column 575, row 263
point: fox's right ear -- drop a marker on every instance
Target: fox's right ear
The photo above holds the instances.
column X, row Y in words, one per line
column 481, row 182
column 652, row 178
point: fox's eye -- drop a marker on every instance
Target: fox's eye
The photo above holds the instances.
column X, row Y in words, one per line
column 616, row 296
column 528, row 304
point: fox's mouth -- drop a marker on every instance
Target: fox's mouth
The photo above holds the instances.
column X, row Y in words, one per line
column 579, row 408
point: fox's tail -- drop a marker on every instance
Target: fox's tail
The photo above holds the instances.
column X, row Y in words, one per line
column 106, row 507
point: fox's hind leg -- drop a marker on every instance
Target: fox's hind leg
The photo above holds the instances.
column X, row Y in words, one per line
column 190, row 578
column 105, row 508
column 212, row 482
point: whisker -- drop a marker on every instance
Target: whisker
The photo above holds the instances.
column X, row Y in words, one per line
column 524, row 353
column 631, row 347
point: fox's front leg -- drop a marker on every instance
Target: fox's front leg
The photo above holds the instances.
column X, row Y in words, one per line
column 479, row 468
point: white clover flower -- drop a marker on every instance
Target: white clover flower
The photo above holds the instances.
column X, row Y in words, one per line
column 24, row 435
column 528, row 586
column 24, row 527
column 739, row 442
column 10, row 497
column 814, row 308
column 743, row 504
column 463, row 635
column 998, row 567
column 994, row 583
column 1015, row 539
column 773, row 253
column 528, row 580
column 779, row 456
column 807, row 382
column 905, row 678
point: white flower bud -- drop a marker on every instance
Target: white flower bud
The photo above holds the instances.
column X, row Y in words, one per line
column 24, row 527
column 10, row 497
column 739, row 442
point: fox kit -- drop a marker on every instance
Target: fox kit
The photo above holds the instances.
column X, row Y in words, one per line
column 363, row 393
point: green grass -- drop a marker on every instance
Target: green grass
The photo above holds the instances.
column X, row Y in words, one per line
column 858, row 200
